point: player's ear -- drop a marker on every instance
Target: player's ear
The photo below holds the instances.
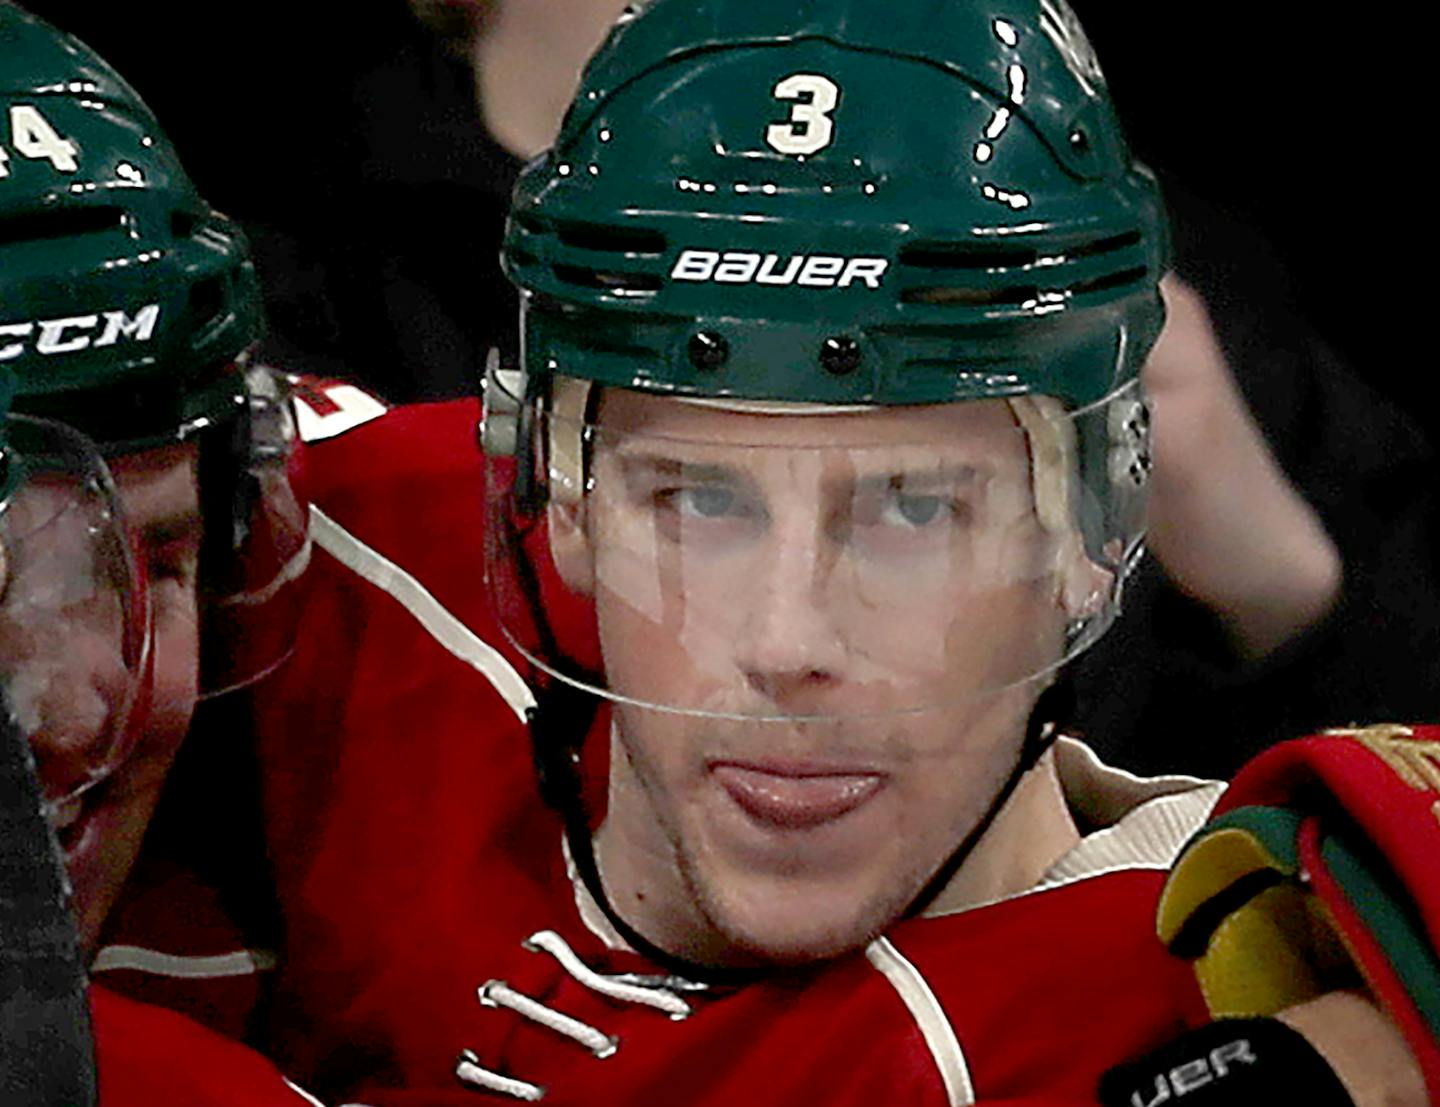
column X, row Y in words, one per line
column 1082, row 586
column 570, row 544
column 565, row 464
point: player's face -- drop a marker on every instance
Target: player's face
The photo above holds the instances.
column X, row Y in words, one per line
column 101, row 830
column 840, row 614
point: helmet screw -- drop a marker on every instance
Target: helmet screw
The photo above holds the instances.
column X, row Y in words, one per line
column 840, row 355
column 708, row 351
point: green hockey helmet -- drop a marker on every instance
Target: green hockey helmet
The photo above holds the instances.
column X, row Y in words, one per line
column 126, row 296
column 127, row 307
column 857, row 204
column 854, row 212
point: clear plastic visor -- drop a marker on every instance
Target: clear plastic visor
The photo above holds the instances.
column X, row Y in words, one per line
column 251, row 595
column 74, row 613
column 778, row 562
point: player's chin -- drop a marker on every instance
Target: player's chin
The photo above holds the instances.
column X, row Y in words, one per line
column 101, row 850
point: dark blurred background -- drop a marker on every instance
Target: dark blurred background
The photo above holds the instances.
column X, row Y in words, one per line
column 345, row 133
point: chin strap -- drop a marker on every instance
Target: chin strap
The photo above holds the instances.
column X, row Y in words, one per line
column 1055, row 704
column 562, row 712
column 46, row 1053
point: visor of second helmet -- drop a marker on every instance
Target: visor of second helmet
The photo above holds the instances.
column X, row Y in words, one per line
column 75, row 633
column 257, row 538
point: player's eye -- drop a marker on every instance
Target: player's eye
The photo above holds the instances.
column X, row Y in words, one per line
column 916, row 511
column 893, row 506
column 712, row 513
column 705, row 502
column 890, row 521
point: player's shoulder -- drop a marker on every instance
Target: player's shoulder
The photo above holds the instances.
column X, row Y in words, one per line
column 171, row 942
column 349, row 435
column 149, row 1056
column 389, row 477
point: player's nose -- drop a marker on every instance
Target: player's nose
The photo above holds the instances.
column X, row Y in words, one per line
column 791, row 645
column 68, row 685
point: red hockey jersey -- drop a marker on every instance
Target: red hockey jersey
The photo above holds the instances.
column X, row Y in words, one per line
column 147, row 1056
column 438, row 950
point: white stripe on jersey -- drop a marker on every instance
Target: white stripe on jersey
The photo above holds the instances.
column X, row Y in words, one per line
column 939, row 1035
column 243, row 962
column 444, row 627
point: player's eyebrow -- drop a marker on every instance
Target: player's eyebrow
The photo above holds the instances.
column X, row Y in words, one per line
column 917, row 479
column 184, row 525
column 646, row 464
column 918, row 476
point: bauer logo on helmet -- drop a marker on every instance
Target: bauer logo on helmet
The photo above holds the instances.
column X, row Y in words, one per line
column 808, row 270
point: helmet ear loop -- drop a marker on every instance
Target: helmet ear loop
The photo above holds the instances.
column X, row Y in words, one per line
column 567, row 446
column 1081, row 586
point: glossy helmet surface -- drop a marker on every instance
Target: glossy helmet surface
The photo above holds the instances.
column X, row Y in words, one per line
column 126, row 298
column 942, row 191
column 127, row 305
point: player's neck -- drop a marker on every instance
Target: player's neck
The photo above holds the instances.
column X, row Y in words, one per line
column 1033, row 830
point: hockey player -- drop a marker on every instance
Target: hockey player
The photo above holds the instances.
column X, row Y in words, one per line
column 825, row 455
column 126, row 308
column 79, row 673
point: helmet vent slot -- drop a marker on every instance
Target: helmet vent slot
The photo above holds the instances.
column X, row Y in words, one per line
column 207, row 301
column 1018, row 295
column 947, row 295
column 183, row 224
column 962, row 256
column 50, row 225
column 1104, row 245
column 612, row 240
column 1117, row 279
column 955, row 274
column 955, row 256
column 621, row 284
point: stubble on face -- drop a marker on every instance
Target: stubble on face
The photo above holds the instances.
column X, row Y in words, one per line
column 678, row 868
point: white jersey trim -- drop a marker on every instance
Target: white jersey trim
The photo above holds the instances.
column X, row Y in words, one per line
column 1163, row 814
column 1145, row 821
column 929, row 1016
column 444, row 627
column 243, row 962
column 306, row 1096
column 589, row 911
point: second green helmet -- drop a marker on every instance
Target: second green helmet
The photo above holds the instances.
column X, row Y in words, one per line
column 124, row 298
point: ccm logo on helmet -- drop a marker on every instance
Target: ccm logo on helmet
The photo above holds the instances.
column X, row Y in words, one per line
column 74, row 332
column 811, row 270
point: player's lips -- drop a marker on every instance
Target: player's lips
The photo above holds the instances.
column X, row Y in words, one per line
column 796, row 796
column 74, row 819
column 71, row 819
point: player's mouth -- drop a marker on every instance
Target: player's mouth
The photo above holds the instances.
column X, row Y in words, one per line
column 73, row 819
column 796, row 796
